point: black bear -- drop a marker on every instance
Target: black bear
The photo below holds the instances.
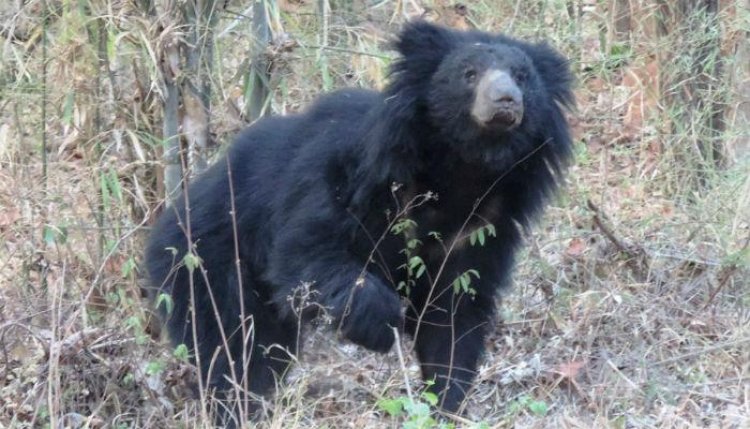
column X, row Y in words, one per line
column 417, row 195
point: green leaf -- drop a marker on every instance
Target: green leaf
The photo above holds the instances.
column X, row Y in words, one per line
column 420, row 271
column 181, row 352
column 49, row 234
column 55, row 234
column 518, row 405
column 538, row 408
column 394, row 407
column 456, row 286
column 192, row 261
column 740, row 258
column 133, row 322
column 480, row 234
column 111, row 43
column 166, row 299
column 415, row 408
column 402, row 225
column 128, row 379
column 104, row 190
column 430, row 397
column 67, row 116
column 465, row 281
column 128, row 267
column 414, row 262
column 155, row 367
column 473, row 238
column 113, row 182
column 110, row 245
column 326, row 75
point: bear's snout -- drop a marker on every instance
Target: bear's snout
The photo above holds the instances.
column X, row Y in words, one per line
column 498, row 102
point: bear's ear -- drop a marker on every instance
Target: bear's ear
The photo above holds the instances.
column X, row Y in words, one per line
column 425, row 40
column 422, row 46
column 554, row 70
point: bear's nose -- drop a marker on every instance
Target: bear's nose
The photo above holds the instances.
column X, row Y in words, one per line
column 499, row 101
column 503, row 91
column 505, row 98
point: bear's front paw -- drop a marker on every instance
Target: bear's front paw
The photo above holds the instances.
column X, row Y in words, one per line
column 370, row 315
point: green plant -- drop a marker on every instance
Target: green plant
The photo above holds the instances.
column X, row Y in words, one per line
column 478, row 235
column 527, row 403
column 415, row 412
column 181, row 352
column 463, row 282
column 415, row 266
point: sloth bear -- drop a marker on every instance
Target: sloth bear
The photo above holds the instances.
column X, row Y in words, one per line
column 416, row 195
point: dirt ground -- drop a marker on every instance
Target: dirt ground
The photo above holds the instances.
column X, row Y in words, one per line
column 631, row 302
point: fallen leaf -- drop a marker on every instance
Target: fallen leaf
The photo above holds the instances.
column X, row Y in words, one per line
column 569, row 370
column 576, row 247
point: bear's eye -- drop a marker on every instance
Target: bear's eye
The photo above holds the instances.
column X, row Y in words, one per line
column 520, row 76
column 470, row 76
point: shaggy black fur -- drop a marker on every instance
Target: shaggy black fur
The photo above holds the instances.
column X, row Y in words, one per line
column 315, row 198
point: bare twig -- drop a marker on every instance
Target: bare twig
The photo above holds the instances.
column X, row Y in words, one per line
column 403, row 365
column 638, row 259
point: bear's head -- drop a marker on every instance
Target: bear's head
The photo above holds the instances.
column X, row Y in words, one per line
column 484, row 83
column 477, row 97
column 476, row 86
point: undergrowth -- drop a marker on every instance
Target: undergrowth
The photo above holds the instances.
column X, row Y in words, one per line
column 630, row 307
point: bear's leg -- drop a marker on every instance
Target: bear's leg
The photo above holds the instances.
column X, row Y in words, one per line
column 261, row 354
column 254, row 333
column 274, row 345
column 449, row 340
column 311, row 250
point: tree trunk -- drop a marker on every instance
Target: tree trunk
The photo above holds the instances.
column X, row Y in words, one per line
column 171, row 132
column 186, row 70
column 619, row 17
column 738, row 145
column 200, row 17
column 259, row 76
column 692, row 75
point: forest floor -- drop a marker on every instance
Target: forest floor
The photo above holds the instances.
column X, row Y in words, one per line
column 631, row 301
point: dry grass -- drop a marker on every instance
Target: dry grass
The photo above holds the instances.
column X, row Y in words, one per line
column 631, row 305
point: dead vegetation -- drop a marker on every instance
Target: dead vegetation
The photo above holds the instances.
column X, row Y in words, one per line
column 631, row 305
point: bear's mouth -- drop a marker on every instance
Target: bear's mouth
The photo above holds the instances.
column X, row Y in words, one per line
column 507, row 119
